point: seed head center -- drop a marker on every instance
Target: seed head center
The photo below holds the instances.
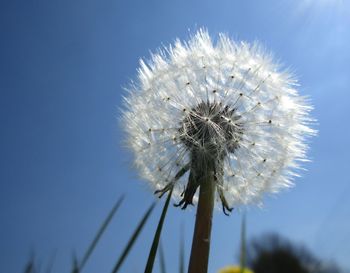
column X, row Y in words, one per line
column 211, row 128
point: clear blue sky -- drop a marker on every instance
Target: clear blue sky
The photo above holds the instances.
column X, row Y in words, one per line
column 62, row 165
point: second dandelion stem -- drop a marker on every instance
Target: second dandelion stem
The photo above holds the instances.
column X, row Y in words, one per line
column 202, row 230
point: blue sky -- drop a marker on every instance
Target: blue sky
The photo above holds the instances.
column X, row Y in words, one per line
column 62, row 162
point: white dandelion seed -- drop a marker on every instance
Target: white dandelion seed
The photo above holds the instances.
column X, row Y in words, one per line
column 224, row 107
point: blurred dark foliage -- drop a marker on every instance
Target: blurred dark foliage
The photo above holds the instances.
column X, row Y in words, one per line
column 273, row 254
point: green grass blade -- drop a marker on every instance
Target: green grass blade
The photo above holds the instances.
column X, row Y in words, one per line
column 161, row 258
column 182, row 251
column 30, row 267
column 243, row 244
column 100, row 232
column 133, row 238
column 75, row 265
column 153, row 250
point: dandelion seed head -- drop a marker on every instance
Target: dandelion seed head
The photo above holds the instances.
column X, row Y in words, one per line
column 199, row 102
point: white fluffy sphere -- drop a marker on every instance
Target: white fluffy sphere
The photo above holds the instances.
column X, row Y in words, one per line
column 224, row 102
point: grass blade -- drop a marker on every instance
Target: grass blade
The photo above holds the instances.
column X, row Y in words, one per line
column 243, row 244
column 30, row 267
column 182, row 251
column 100, row 232
column 161, row 258
column 75, row 265
column 153, row 250
column 133, row 238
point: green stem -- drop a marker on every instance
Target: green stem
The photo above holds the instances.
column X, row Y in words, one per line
column 202, row 230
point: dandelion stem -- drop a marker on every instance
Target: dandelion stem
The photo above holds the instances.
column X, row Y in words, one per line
column 202, row 230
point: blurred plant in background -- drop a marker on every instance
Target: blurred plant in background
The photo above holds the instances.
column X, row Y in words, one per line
column 272, row 253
